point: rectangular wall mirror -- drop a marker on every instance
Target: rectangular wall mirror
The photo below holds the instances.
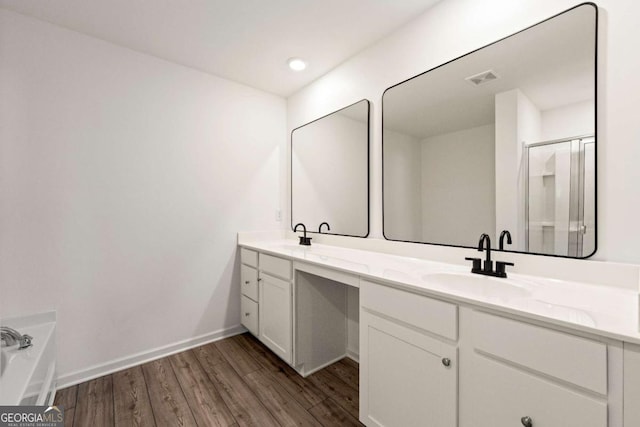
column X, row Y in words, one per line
column 503, row 138
column 330, row 172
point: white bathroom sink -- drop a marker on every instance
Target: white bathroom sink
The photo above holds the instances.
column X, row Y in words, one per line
column 479, row 285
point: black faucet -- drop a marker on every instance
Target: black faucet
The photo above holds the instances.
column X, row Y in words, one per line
column 487, row 270
column 304, row 240
column 488, row 264
column 320, row 227
column 504, row 233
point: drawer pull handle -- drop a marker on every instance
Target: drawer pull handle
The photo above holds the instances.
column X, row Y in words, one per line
column 446, row 362
column 526, row 421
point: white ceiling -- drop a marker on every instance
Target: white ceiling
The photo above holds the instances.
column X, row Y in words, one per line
column 248, row 41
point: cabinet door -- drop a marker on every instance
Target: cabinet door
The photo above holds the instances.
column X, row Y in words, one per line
column 249, row 282
column 504, row 396
column 406, row 378
column 275, row 315
column 249, row 313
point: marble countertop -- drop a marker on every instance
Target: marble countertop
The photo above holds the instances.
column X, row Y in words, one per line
column 601, row 310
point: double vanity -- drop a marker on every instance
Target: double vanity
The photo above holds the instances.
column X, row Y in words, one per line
column 440, row 346
column 498, row 142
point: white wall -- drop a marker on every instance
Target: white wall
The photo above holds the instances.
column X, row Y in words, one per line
column 454, row 27
column 123, row 182
column 458, row 186
column 329, row 165
column 567, row 121
column 517, row 122
column 403, row 210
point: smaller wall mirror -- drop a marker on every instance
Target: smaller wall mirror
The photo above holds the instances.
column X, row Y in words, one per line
column 330, row 172
column 503, row 138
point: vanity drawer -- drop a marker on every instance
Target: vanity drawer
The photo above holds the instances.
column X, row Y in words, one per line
column 249, row 257
column 249, row 282
column 503, row 395
column 577, row 360
column 249, row 314
column 275, row 266
column 438, row 317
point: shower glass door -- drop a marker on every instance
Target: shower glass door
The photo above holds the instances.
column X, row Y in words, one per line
column 560, row 197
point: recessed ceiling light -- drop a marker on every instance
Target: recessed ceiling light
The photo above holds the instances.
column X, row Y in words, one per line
column 296, row 64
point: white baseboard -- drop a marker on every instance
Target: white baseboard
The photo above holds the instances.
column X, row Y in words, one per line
column 107, row 368
column 353, row 356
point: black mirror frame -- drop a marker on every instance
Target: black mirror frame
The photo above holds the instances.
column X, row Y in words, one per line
column 595, row 41
column 368, row 168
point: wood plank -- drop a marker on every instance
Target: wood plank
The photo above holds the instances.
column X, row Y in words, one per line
column 342, row 393
column 349, row 361
column 281, row 404
column 205, row 402
column 66, row 397
column 94, row 406
column 305, row 392
column 209, row 353
column 329, row 413
column 68, row 417
column 167, row 400
column 347, row 370
column 237, row 356
column 244, row 405
column 131, row 402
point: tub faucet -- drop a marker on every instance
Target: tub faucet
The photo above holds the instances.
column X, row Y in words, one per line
column 10, row 336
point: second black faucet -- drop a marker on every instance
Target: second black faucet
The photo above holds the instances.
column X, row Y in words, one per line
column 487, row 268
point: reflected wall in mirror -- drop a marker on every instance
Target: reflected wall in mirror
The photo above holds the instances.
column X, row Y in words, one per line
column 330, row 172
column 502, row 138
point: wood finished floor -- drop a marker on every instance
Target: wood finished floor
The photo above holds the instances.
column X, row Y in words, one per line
column 233, row 382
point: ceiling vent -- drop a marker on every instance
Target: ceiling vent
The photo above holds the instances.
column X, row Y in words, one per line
column 483, row 77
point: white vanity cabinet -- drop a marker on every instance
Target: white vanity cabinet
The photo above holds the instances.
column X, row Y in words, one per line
column 275, row 301
column 408, row 359
column 631, row 385
column 424, row 361
column 430, row 358
column 249, row 309
column 266, row 300
column 518, row 374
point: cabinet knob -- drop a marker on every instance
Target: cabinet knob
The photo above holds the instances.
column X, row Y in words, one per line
column 526, row 421
column 446, row 362
column 246, row 282
column 259, row 279
column 247, row 314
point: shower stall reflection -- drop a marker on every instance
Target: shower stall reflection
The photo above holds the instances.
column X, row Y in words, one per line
column 560, row 197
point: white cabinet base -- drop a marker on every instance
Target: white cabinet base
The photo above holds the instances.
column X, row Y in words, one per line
column 403, row 378
column 249, row 315
column 503, row 395
column 276, row 316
